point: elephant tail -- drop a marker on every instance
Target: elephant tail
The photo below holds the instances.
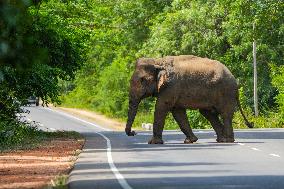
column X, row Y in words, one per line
column 250, row 125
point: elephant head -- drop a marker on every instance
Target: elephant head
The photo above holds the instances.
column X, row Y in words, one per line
column 147, row 80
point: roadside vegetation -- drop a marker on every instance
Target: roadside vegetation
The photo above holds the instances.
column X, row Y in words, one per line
column 18, row 135
column 122, row 31
column 37, row 51
column 82, row 53
column 46, row 165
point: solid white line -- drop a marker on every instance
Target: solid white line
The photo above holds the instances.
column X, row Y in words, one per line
column 73, row 117
column 256, row 149
column 124, row 184
column 121, row 180
column 275, row 155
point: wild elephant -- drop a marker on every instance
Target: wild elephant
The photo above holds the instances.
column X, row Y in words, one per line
column 185, row 82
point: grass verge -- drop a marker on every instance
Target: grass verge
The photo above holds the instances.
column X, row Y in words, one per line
column 43, row 159
column 15, row 135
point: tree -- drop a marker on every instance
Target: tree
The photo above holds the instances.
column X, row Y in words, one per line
column 35, row 53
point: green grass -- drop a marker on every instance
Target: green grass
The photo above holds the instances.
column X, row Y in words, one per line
column 15, row 135
column 60, row 182
column 267, row 120
column 270, row 119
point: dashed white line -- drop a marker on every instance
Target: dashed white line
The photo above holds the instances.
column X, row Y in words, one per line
column 203, row 132
column 274, row 155
column 241, row 144
column 256, row 149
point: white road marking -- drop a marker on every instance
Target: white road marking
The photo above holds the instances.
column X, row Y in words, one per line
column 275, row 155
column 203, row 132
column 256, row 149
column 124, row 184
column 73, row 117
column 146, row 134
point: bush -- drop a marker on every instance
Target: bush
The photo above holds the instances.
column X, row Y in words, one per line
column 278, row 82
column 111, row 96
column 221, row 30
column 17, row 134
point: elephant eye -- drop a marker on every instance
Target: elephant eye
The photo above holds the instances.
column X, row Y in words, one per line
column 144, row 80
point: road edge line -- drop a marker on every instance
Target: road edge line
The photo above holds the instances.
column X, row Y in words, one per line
column 121, row 180
column 82, row 120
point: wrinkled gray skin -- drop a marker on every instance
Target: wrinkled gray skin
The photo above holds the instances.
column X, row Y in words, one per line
column 185, row 82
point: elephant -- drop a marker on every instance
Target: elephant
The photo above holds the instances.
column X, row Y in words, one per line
column 185, row 82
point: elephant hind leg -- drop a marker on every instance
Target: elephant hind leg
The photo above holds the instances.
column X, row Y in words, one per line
column 214, row 120
column 180, row 116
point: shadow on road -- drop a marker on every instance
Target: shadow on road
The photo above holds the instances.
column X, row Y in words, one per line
column 218, row 182
column 150, row 172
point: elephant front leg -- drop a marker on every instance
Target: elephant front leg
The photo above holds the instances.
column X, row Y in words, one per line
column 182, row 120
column 160, row 114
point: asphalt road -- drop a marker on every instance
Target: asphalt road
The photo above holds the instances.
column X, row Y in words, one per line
column 113, row 160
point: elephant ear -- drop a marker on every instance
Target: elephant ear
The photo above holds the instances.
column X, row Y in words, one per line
column 162, row 79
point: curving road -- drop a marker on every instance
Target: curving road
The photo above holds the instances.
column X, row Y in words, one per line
column 113, row 160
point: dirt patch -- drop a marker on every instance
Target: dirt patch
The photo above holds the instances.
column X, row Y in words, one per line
column 95, row 117
column 35, row 168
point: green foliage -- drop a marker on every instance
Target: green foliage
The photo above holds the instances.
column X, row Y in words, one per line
column 223, row 30
column 110, row 98
column 21, row 135
column 60, row 182
column 34, row 53
column 14, row 133
column 278, row 82
column 121, row 31
column 37, row 49
column 44, row 43
column 103, row 82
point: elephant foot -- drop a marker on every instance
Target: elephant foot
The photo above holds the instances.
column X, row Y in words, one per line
column 129, row 132
column 225, row 140
column 189, row 140
column 155, row 140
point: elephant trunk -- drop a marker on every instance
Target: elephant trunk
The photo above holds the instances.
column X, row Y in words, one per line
column 132, row 110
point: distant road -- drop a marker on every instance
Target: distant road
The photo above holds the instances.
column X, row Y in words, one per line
column 113, row 160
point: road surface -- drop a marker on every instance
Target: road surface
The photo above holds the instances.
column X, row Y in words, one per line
column 113, row 160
